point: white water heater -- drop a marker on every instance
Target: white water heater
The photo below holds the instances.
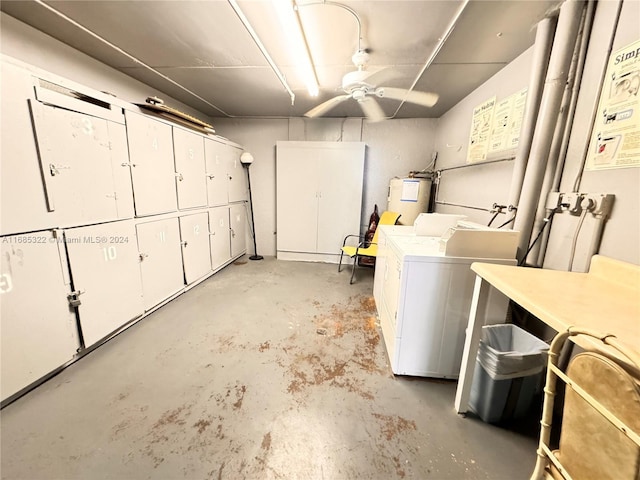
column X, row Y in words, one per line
column 409, row 197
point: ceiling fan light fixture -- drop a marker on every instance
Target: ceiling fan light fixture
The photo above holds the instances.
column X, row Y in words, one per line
column 287, row 12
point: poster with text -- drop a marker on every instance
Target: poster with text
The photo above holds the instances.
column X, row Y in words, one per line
column 481, row 123
column 507, row 121
column 615, row 140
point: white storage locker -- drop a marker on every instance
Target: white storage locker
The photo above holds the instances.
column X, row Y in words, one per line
column 191, row 183
column 238, row 229
column 238, row 190
column 122, row 183
column 23, row 204
column 161, row 260
column 217, row 176
column 219, row 236
column 196, row 255
column 152, row 168
column 39, row 330
column 105, row 268
column 81, row 156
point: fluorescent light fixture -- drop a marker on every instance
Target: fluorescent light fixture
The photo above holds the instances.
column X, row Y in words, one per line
column 288, row 14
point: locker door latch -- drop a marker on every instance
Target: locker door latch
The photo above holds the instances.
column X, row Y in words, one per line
column 233, row 234
column 179, row 176
column 74, row 298
column 184, row 243
column 55, row 169
column 143, row 256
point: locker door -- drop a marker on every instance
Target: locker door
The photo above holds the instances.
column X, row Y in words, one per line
column 238, row 191
column 161, row 265
column 76, row 164
column 219, row 236
column 38, row 328
column 216, row 167
column 297, row 200
column 121, row 169
column 238, row 229
column 196, row 255
column 152, row 169
column 340, row 178
column 106, row 270
column 23, row 203
column 191, row 184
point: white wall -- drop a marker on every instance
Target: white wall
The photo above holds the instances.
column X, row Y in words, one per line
column 482, row 184
column 394, row 148
column 621, row 239
column 476, row 185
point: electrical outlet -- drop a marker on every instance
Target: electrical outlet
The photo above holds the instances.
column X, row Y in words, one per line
column 574, row 201
column 603, row 203
column 554, row 199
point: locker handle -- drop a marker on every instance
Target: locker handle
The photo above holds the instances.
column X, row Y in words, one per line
column 143, row 256
column 233, row 234
column 211, row 176
column 74, row 298
column 125, row 164
column 55, row 169
column 179, row 176
column 184, row 243
column 212, row 233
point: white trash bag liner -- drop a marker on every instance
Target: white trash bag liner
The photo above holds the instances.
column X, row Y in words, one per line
column 507, row 351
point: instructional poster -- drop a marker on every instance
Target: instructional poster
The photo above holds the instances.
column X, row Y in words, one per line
column 480, row 131
column 615, row 140
column 495, row 126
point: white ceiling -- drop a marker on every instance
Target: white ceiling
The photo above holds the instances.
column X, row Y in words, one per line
column 204, row 47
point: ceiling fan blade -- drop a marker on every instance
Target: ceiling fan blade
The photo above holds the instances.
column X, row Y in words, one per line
column 381, row 76
column 326, row 106
column 371, row 109
column 421, row 98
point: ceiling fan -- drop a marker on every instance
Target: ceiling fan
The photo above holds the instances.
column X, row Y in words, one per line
column 362, row 86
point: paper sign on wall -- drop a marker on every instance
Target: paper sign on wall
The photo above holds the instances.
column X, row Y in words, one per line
column 410, row 190
column 615, row 140
column 495, row 126
column 480, row 131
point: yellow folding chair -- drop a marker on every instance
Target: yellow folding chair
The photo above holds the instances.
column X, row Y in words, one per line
column 363, row 250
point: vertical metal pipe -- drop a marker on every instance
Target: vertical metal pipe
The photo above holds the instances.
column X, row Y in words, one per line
column 544, row 38
column 582, row 56
column 557, row 73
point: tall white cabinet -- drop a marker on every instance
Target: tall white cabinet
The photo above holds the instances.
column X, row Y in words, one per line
column 319, row 198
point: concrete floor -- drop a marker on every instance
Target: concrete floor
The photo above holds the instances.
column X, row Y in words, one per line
column 267, row 370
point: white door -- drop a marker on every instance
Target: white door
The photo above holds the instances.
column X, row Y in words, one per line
column 39, row 330
column 76, row 164
column 237, row 175
column 340, row 177
column 105, row 268
column 196, row 256
column 238, row 228
column 297, row 199
column 161, row 260
column 152, row 168
column 191, row 184
column 217, row 178
column 219, row 236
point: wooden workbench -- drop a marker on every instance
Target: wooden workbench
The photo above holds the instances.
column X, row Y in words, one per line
column 606, row 299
